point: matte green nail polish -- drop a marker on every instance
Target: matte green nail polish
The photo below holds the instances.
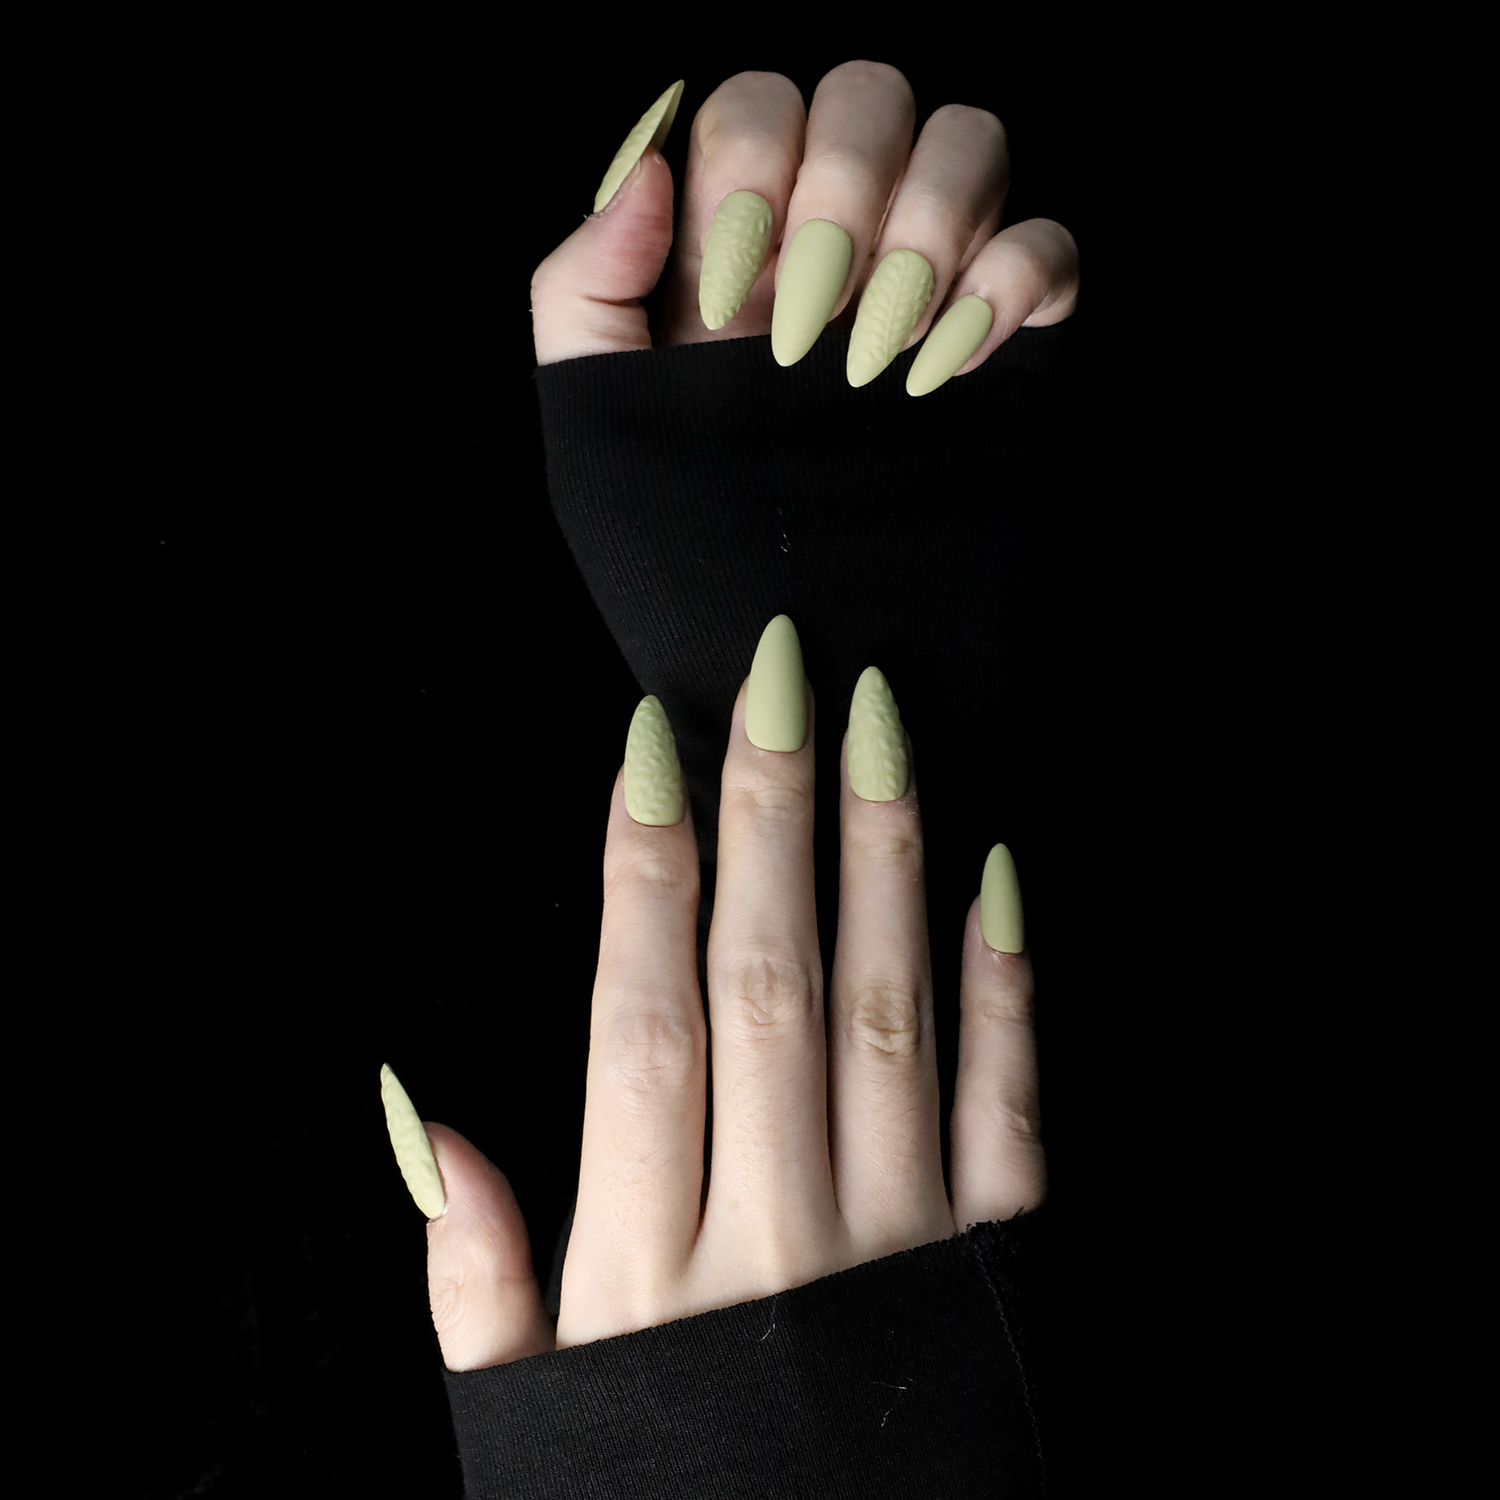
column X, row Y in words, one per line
column 776, row 700
column 413, row 1149
column 1000, row 903
column 949, row 346
column 650, row 132
column 734, row 254
column 817, row 266
column 877, row 747
column 896, row 297
column 653, row 775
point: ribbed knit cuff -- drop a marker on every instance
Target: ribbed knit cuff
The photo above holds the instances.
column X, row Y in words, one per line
column 904, row 1376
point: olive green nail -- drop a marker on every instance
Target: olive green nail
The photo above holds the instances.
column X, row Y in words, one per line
column 950, row 345
column 877, row 745
column 817, row 266
column 413, row 1149
column 650, row 133
column 892, row 304
column 1000, row 917
column 653, row 774
column 734, row 254
column 776, row 700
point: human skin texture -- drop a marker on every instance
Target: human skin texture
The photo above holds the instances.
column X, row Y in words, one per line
column 848, row 161
column 826, row 1146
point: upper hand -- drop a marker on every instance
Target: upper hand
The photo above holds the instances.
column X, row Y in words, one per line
column 850, row 162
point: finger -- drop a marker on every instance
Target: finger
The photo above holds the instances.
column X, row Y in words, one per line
column 641, row 1172
column 859, row 133
column 1026, row 276
column 947, row 206
column 770, row 1197
column 997, row 1165
column 586, row 296
column 883, row 1103
column 486, row 1304
column 742, row 165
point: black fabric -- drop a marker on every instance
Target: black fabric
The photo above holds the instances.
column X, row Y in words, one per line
column 905, row 1376
column 704, row 490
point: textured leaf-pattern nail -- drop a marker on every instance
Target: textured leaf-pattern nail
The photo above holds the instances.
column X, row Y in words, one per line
column 413, row 1149
column 877, row 747
column 1000, row 918
column 653, row 774
column 733, row 256
column 896, row 297
column 650, row 131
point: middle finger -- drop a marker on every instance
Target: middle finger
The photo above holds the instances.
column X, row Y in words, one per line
column 859, row 134
column 770, row 1201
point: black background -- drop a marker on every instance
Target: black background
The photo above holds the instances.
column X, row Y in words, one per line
column 377, row 716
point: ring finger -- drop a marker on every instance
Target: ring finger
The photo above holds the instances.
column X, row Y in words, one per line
column 947, row 207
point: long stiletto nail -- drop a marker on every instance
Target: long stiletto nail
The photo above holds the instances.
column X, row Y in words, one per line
column 817, row 266
column 877, row 747
column 733, row 256
column 896, row 297
column 1000, row 917
column 653, row 774
column 776, row 701
column 413, row 1149
column 650, row 132
column 949, row 347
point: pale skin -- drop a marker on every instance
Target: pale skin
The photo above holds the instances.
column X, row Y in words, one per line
column 825, row 1144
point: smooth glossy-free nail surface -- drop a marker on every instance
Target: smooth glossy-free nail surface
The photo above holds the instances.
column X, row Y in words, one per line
column 877, row 745
column 776, row 700
column 650, row 132
column 817, row 266
column 653, row 774
column 890, row 307
column 1000, row 917
column 733, row 256
column 413, row 1149
column 950, row 345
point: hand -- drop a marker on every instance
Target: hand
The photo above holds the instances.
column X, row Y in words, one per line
column 917, row 227
column 825, row 1153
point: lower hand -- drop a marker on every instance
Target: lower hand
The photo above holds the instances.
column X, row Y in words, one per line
column 825, row 1148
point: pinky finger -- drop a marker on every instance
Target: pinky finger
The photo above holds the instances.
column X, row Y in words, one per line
column 998, row 1168
column 1027, row 276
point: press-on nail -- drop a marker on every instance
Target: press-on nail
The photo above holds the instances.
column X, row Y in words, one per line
column 877, row 746
column 733, row 256
column 776, row 700
column 950, row 345
column 817, row 266
column 1000, row 903
column 650, row 133
column 890, row 307
column 653, row 775
column 413, row 1149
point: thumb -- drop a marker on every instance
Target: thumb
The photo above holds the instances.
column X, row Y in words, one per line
column 586, row 296
column 486, row 1304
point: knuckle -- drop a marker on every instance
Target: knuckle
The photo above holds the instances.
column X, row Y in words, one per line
column 768, row 801
column 885, row 1019
column 648, row 872
column 862, row 70
column 890, row 850
column 1002, row 1005
column 768, row 995
column 649, row 1053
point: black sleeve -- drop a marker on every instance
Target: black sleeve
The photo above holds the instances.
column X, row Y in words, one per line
column 906, row 1376
column 703, row 490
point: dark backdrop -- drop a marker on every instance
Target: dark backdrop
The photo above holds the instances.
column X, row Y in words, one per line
column 378, row 717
